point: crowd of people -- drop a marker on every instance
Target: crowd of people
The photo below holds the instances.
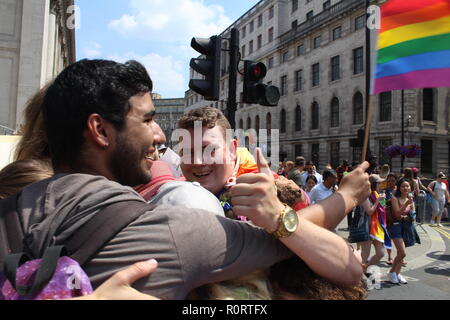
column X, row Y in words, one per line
column 229, row 227
column 387, row 216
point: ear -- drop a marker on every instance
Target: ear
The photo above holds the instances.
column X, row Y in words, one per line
column 233, row 149
column 99, row 131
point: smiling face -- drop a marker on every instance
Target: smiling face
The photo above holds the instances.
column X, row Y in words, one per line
column 131, row 158
column 405, row 188
column 214, row 164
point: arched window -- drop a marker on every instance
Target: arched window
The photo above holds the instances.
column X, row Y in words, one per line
column 249, row 123
column 315, row 116
column 241, row 124
column 334, row 112
column 283, row 121
column 298, row 118
column 358, row 108
column 428, row 104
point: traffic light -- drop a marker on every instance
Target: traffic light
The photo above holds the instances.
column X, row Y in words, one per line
column 255, row 92
column 209, row 66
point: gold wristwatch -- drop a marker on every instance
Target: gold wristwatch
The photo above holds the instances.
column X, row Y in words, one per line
column 287, row 223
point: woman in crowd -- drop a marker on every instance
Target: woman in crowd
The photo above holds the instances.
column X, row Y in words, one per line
column 391, row 187
column 408, row 173
column 438, row 190
column 374, row 207
column 402, row 208
column 311, row 182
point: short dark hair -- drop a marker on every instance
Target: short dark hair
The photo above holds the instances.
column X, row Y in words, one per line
column 84, row 88
column 309, row 163
column 328, row 173
column 299, row 161
column 311, row 177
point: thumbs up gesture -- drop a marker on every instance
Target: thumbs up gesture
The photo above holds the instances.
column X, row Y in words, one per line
column 255, row 196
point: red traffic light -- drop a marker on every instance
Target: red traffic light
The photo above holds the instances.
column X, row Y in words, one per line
column 257, row 71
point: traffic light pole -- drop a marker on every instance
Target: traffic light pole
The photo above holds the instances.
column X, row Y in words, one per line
column 232, row 85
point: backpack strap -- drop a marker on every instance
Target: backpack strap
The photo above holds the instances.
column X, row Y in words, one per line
column 107, row 223
column 11, row 231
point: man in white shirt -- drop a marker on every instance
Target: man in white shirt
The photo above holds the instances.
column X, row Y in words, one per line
column 326, row 188
column 310, row 171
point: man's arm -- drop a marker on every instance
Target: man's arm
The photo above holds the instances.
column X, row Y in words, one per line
column 326, row 253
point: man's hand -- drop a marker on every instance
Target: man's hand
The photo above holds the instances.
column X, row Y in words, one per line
column 356, row 184
column 118, row 287
column 255, row 196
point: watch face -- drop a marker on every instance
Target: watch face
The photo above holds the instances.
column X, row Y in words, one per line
column 291, row 220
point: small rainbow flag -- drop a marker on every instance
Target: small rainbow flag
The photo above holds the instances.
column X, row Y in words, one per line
column 413, row 45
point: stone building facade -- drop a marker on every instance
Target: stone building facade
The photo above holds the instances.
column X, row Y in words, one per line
column 168, row 113
column 37, row 40
column 315, row 53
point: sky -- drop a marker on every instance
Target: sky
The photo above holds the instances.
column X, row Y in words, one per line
column 156, row 33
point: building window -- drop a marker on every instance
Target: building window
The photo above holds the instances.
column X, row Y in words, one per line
column 243, row 51
column 241, row 124
column 335, row 68
column 335, row 112
column 249, row 123
column 428, row 104
column 283, row 121
column 244, row 28
column 310, row 15
column 250, row 47
column 298, row 150
column 315, row 116
column 259, row 41
column 334, row 154
column 269, row 124
column 283, row 89
column 315, row 74
column 270, row 34
column 382, row 156
column 298, row 80
column 360, row 22
column 326, row 5
column 252, row 26
column 294, row 24
column 260, row 20
column 271, row 12
column 358, row 108
column 315, row 149
column 357, row 154
column 294, row 5
column 358, row 60
column 270, row 63
column 257, row 125
column 337, row 33
column 298, row 118
column 300, row 50
column 386, row 106
column 426, row 159
column 317, row 41
column 285, row 56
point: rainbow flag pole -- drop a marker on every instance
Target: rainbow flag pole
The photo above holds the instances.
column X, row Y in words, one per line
column 413, row 47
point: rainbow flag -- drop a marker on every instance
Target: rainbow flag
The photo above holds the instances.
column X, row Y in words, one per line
column 413, row 45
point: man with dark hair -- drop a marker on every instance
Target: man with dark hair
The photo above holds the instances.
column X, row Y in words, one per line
column 325, row 189
column 296, row 174
column 99, row 119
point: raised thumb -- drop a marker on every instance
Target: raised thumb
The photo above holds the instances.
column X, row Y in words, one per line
column 263, row 166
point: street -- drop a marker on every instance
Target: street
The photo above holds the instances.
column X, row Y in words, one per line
column 427, row 270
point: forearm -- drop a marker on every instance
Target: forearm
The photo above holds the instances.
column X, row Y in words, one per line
column 327, row 254
column 329, row 212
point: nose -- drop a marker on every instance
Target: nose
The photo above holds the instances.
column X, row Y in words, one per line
column 158, row 135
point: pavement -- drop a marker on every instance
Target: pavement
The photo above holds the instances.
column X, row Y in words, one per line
column 427, row 270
